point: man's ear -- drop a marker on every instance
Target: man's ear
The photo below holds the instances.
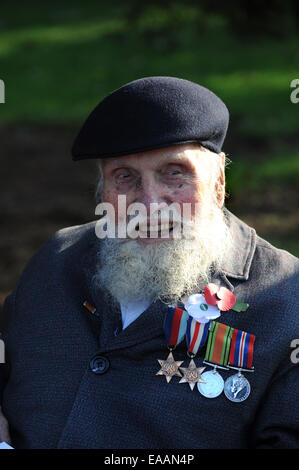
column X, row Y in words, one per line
column 220, row 183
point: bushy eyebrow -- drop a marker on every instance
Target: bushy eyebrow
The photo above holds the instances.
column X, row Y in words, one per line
column 112, row 161
column 179, row 158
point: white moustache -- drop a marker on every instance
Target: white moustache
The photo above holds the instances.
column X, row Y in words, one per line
column 163, row 227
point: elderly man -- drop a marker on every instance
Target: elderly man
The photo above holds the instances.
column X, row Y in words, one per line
column 131, row 340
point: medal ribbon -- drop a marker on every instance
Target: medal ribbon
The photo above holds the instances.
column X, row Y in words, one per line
column 175, row 325
column 241, row 350
column 196, row 335
column 218, row 344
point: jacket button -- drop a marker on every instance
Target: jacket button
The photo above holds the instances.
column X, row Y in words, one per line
column 99, row 364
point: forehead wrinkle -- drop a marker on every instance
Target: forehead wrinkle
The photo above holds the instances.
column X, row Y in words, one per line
column 161, row 158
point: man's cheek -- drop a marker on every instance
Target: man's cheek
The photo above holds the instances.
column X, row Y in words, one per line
column 109, row 195
column 187, row 198
column 182, row 193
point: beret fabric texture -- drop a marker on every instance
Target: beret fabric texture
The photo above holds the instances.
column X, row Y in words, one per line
column 151, row 113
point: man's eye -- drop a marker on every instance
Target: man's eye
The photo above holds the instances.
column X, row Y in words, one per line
column 123, row 177
column 173, row 173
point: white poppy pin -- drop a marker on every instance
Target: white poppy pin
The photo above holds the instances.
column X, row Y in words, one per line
column 200, row 310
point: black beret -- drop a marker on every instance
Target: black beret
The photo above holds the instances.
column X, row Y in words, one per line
column 150, row 113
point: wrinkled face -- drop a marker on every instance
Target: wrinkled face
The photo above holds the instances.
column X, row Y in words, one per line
column 177, row 174
column 130, row 268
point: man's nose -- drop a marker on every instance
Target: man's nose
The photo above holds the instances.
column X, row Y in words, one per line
column 148, row 191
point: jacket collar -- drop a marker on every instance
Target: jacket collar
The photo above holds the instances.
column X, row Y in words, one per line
column 238, row 261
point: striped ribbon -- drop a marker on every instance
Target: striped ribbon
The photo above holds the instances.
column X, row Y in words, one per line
column 218, row 344
column 241, row 350
column 196, row 335
column 175, row 325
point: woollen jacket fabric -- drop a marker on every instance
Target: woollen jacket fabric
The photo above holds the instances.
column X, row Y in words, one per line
column 52, row 399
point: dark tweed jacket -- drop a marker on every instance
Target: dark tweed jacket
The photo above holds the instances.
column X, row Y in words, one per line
column 52, row 399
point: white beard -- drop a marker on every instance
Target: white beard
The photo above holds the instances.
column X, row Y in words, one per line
column 130, row 270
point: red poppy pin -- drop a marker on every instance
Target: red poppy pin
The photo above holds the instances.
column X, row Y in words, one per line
column 223, row 298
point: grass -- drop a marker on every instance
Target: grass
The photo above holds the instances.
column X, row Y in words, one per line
column 59, row 60
column 279, row 169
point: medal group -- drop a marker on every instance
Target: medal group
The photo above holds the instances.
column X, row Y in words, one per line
column 226, row 348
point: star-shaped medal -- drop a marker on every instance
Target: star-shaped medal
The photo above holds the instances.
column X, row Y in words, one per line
column 170, row 367
column 192, row 374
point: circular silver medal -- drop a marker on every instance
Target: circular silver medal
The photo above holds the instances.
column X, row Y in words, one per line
column 237, row 388
column 213, row 385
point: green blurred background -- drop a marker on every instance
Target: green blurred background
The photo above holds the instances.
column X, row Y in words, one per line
column 58, row 59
